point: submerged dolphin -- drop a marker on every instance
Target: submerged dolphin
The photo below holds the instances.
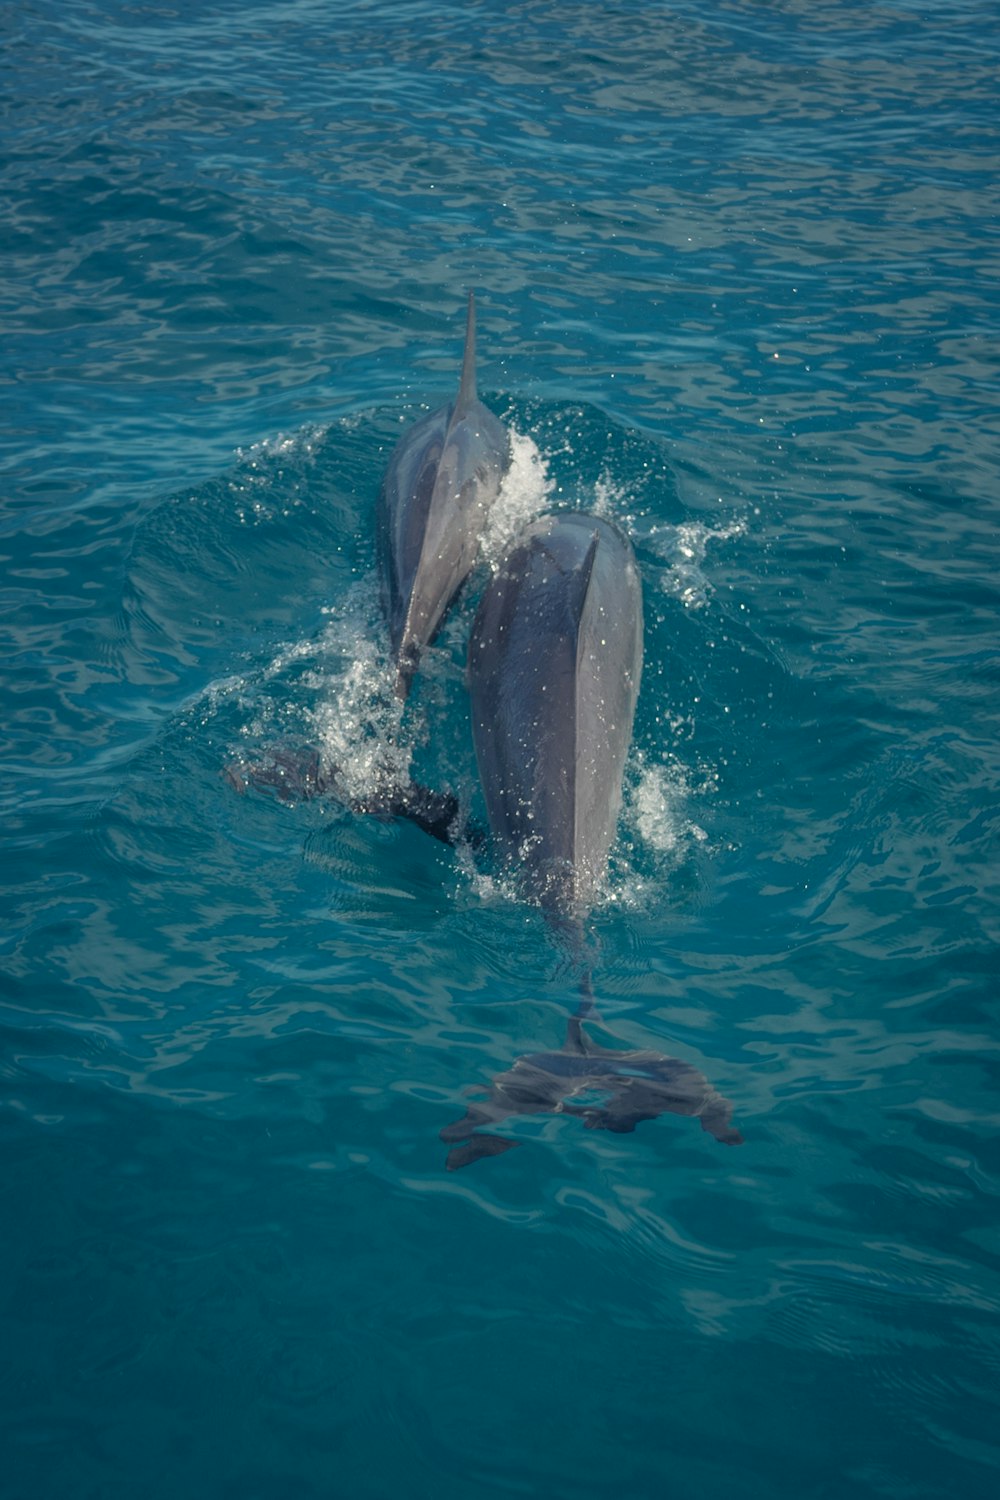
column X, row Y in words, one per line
column 619, row 1090
column 554, row 664
column 442, row 478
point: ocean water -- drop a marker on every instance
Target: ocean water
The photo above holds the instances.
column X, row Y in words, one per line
column 737, row 273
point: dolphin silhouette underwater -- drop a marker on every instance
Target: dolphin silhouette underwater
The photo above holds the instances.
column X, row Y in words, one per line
column 554, row 662
column 444, row 475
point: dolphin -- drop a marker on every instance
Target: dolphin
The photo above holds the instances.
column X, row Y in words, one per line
column 618, row 1090
column 441, row 481
column 554, row 663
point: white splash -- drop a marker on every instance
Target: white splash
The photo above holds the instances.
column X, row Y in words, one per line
column 269, row 478
column 657, row 806
column 523, row 495
column 356, row 715
column 684, row 549
column 300, row 444
column 610, row 499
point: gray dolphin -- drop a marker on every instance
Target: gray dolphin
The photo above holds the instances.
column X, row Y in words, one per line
column 555, row 658
column 554, row 662
column 442, row 478
column 607, row 1089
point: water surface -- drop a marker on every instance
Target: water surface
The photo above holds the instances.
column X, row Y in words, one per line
column 737, row 274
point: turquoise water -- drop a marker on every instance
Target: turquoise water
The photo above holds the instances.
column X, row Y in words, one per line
column 737, row 270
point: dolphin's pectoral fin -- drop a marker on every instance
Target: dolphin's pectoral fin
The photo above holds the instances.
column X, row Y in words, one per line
column 686, row 1091
column 475, row 1147
column 437, row 813
column 475, row 1116
column 295, row 774
column 716, row 1120
column 468, row 1145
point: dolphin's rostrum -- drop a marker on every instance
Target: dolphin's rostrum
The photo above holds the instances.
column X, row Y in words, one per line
column 442, row 478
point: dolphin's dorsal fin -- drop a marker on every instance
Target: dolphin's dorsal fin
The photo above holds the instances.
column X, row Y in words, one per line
column 577, row 592
column 467, row 387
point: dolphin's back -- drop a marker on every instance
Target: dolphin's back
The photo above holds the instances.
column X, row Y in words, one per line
column 403, row 508
column 442, row 478
column 555, row 659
